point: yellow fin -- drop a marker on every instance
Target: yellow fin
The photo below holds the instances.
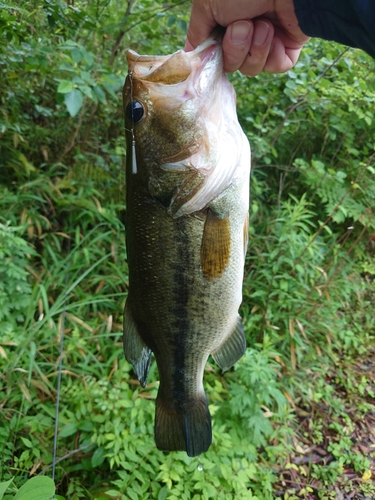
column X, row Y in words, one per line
column 215, row 250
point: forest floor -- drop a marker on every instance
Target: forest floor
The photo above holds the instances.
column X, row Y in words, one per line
column 336, row 440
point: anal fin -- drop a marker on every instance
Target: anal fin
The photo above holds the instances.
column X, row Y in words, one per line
column 232, row 349
column 136, row 351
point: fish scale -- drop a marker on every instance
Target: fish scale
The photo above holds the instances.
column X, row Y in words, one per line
column 186, row 233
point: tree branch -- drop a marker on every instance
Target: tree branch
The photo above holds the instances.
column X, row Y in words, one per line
column 122, row 32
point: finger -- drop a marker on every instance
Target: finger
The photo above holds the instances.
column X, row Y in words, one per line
column 236, row 44
column 281, row 59
column 260, row 47
column 188, row 46
column 202, row 22
column 284, row 53
column 206, row 14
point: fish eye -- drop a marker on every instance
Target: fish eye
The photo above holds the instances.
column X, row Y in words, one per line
column 134, row 111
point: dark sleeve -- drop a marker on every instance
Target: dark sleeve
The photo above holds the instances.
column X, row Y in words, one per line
column 351, row 22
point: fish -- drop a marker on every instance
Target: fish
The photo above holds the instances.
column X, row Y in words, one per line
column 186, row 228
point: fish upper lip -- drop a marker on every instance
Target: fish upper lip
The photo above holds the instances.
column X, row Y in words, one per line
column 204, row 51
column 210, row 41
column 198, row 58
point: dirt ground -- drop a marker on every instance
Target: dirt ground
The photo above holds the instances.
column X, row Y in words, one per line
column 336, row 439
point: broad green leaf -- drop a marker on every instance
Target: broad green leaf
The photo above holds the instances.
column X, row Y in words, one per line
column 85, row 89
column 77, row 81
column 113, row 493
column 71, row 43
column 68, row 430
column 4, row 486
column 27, row 442
column 98, row 457
column 36, row 488
column 100, row 94
column 132, row 494
column 74, row 101
column 112, row 84
column 65, row 87
column 76, row 55
column 85, row 75
column 85, row 425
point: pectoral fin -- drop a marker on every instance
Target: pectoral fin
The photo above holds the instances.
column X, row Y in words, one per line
column 136, row 351
column 232, row 349
column 192, row 183
column 173, row 187
column 215, row 249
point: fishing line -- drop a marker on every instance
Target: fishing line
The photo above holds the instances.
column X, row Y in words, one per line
column 63, row 316
column 59, row 369
column 134, row 156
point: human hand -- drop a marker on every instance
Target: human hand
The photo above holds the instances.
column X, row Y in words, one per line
column 261, row 35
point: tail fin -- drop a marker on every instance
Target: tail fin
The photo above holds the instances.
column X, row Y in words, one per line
column 188, row 429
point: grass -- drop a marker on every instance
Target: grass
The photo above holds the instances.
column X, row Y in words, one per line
column 294, row 419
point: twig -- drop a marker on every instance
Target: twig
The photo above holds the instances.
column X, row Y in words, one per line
column 122, row 32
column 68, row 455
column 74, row 135
column 120, row 36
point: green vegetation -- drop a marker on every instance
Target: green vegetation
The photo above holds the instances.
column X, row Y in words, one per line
column 295, row 417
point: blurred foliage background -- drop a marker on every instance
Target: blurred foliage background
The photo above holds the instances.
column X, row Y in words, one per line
column 309, row 278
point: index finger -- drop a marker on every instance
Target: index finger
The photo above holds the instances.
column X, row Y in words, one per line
column 201, row 24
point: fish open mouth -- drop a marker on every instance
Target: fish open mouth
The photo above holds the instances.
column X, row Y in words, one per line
column 205, row 55
column 175, row 68
column 191, row 90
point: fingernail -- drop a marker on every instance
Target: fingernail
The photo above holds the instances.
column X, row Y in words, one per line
column 240, row 31
column 261, row 30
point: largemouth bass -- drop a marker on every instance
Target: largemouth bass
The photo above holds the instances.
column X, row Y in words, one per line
column 187, row 197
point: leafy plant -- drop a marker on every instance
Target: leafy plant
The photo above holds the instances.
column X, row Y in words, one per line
column 309, row 276
column 15, row 289
column 36, row 488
